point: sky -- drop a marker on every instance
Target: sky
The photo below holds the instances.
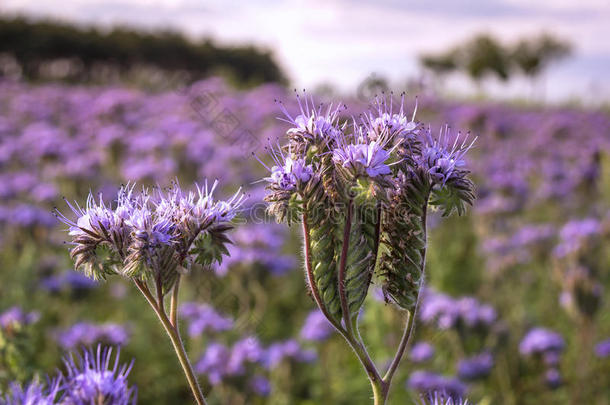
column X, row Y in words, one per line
column 341, row 42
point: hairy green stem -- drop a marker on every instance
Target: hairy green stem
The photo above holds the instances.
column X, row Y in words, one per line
column 380, row 392
column 174, row 336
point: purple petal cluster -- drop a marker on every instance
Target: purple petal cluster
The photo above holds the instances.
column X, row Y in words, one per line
column 441, row 398
column 289, row 349
column 87, row 334
column 316, row 327
column 16, row 317
column 93, row 377
column 574, row 235
column 421, row 352
column 147, row 232
column 447, row 312
column 34, row 393
column 220, row 362
column 68, row 280
column 202, row 318
column 541, row 341
column 442, row 158
column 602, row 349
column 288, row 174
column 475, row 367
column 426, row 383
column 258, row 245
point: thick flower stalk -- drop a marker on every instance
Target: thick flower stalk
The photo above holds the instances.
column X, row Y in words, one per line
column 361, row 190
column 152, row 238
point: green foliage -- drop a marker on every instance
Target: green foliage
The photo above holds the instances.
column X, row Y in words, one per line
column 484, row 56
column 454, row 196
column 212, row 246
column 533, row 56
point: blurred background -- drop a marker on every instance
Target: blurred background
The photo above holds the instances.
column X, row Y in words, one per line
column 97, row 93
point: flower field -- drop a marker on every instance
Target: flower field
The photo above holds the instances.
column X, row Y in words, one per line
column 515, row 304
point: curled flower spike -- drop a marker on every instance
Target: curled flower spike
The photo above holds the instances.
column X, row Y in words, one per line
column 92, row 377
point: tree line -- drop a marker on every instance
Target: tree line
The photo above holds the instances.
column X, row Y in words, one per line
column 48, row 48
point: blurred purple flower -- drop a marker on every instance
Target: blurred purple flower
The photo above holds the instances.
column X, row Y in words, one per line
column 540, row 341
column 278, row 351
column 316, row 327
column 203, row 318
column 15, row 316
column 92, row 376
column 426, row 382
column 87, row 334
column 421, row 352
column 475, row 367
column 260, row 385
column 602, row 349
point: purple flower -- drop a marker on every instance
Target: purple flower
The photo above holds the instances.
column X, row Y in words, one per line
column 15, row 316
column 383, row 120
column 426, row 382
column 421, row 352
column 314, row 125
column 203, row 318
column 277, row 352
column 150, row 233
column 247, row 350
column 475, row 367
column 260, row 385
column 540, row 341
column 365, row 159
column 214, row 363
column 574, row 234
column 87, row 334
column 92, row 378
column 288, row 173
column 34, row 393
column 316, row 327
column 448, row 312
column 69, row 279
column 443, row 159
column 553, row 378
column 602, row 349
column 441, row 398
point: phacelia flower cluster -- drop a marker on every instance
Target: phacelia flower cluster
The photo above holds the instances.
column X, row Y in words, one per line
column 248, row 358
column 546, row 345
column 15, row 317
column 447, row 312
column 426, row 383
column 91, row 377
column 88, row 334
column 150, row 235
column 203, row 318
